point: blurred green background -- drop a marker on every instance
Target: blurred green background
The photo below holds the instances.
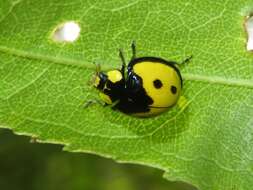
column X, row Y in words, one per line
column 34, row 166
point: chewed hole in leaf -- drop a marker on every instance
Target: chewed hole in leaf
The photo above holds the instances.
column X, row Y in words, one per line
column 249, row 29
column 66, row 32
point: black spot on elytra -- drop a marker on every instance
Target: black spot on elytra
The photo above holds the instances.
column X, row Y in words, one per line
column 173, row 89
column 157, row 83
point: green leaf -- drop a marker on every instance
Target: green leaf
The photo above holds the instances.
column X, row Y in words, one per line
column 44, row 84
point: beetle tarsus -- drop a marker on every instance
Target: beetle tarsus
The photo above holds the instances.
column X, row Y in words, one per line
column 187, row 60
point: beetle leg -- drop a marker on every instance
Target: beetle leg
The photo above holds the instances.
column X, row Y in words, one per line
column 114, row 104
column 89, row 103
column 186, row 60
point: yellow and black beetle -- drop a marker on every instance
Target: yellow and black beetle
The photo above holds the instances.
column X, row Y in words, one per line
column 149, row 87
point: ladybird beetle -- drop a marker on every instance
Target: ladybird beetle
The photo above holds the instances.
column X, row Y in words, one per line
column 148, row 87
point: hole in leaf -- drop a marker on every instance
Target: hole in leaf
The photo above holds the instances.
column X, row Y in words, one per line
column 249, row 29
column 66, row 32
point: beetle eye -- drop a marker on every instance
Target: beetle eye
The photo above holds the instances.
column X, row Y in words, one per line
column 157, row 83
column 173, row 89
column 101, row 80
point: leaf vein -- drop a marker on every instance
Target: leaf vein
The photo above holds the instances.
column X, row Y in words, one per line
column 86, row 64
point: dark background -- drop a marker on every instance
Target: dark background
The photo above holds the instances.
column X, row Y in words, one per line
column 33, row 166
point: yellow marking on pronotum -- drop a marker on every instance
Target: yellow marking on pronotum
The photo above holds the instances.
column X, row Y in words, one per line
column 114, row 76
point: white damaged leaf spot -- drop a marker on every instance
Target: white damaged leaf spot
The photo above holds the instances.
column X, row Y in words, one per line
column 67, row 32
column 249, row 30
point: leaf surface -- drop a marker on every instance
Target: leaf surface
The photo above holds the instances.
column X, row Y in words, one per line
column 44, row 85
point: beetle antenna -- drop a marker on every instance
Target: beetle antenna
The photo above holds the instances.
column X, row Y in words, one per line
column 133, row 49
column 121, row 55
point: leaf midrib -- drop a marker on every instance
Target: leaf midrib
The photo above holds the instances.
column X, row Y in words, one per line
column 82, row 64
